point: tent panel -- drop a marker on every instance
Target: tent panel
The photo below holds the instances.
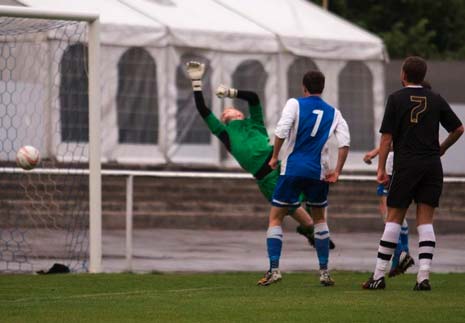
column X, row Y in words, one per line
column 120, row 24
column 111, row 11
column 207, row 24
column 306, row 29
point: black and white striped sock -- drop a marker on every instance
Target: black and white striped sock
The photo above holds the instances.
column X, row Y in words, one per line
column 386, row 248
column 427, row 243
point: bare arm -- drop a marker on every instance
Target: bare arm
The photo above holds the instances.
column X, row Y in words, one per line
column 384, row 147
column 343, row 138
column 278, row 143
column 453, row 136
column 341, row 159
column 370, row 155
column 283, row 128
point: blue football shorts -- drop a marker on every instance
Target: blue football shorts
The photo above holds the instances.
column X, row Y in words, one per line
column 289, row 188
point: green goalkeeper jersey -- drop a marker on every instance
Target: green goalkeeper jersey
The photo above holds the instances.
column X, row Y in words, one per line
column 248, row 139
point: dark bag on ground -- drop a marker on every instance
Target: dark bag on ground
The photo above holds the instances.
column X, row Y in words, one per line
column 56, row 269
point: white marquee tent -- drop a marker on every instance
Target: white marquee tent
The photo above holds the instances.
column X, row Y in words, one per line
column 264, row 45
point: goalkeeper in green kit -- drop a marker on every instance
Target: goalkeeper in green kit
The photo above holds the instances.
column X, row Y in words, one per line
column 246, row 139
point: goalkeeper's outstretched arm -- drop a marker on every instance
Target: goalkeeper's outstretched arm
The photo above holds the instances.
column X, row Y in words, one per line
column 251, row 97
column 204, row 111
column 195, row 70
column 255, row 108
column 215, row 126
column 226, row 92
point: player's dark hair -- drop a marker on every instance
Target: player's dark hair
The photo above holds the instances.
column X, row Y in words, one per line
column 414, row 68
column 314, row 82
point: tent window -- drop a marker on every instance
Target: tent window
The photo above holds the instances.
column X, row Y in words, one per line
column 137, row 98
column 295, row 74
column 356, row 104
column 250, row 75
column 74, row 95
column 191, row 129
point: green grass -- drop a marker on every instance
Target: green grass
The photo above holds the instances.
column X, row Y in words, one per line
column 231, row 297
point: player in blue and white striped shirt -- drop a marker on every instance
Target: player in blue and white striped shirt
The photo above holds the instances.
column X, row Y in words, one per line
column 306, row 123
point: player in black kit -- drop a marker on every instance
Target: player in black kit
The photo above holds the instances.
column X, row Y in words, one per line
column 411, row 122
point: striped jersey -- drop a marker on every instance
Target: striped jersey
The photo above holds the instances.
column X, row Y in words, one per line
column 306, row 124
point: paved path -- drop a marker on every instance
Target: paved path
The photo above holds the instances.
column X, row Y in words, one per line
column 169, row 250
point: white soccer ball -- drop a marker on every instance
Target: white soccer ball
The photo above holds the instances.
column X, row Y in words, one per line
column 27, row 157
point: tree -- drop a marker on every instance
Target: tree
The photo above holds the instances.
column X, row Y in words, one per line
column 430, row 28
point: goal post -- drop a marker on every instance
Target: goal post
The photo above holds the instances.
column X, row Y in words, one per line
column 88, row 151
column 95, row 180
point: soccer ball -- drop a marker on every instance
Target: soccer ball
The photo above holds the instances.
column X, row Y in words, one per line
column 27, row 157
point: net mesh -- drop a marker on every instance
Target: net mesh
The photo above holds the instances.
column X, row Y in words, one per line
column 43, row 103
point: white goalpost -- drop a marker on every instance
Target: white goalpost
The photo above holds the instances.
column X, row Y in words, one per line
column 50, row 99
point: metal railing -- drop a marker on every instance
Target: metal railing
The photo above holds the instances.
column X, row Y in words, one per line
column 130, row 174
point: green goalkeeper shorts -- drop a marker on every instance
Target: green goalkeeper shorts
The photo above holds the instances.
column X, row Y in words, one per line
column 267, row 185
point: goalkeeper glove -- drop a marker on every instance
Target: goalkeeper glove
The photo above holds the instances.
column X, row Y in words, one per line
column 195, row 70
column 225, row 92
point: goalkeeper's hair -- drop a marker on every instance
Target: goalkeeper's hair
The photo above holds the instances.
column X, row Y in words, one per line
column 314, row 82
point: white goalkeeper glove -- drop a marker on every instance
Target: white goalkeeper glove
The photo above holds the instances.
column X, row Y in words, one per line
column 195, row 70
column 225, row 92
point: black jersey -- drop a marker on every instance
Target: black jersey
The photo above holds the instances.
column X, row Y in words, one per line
column 412, row 117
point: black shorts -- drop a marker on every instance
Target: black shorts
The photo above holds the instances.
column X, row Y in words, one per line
column 421, row 183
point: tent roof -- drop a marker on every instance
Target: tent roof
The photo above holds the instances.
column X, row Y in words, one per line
column 120, row 24
column 308, row 30
column 263, row 26
column 207, row 24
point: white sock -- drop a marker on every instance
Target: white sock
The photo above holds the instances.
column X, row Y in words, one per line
column 427, row 243
column 386, row 248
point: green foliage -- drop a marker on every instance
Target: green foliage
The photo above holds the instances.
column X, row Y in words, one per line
column 430, row 28
column 417, row 40
column 229, row 297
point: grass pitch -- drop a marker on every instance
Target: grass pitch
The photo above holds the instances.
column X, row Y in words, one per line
column 229, row 297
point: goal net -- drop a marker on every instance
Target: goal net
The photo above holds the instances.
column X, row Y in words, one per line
column 44, row 102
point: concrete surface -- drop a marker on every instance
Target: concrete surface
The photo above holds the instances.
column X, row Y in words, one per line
column 168, row 250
